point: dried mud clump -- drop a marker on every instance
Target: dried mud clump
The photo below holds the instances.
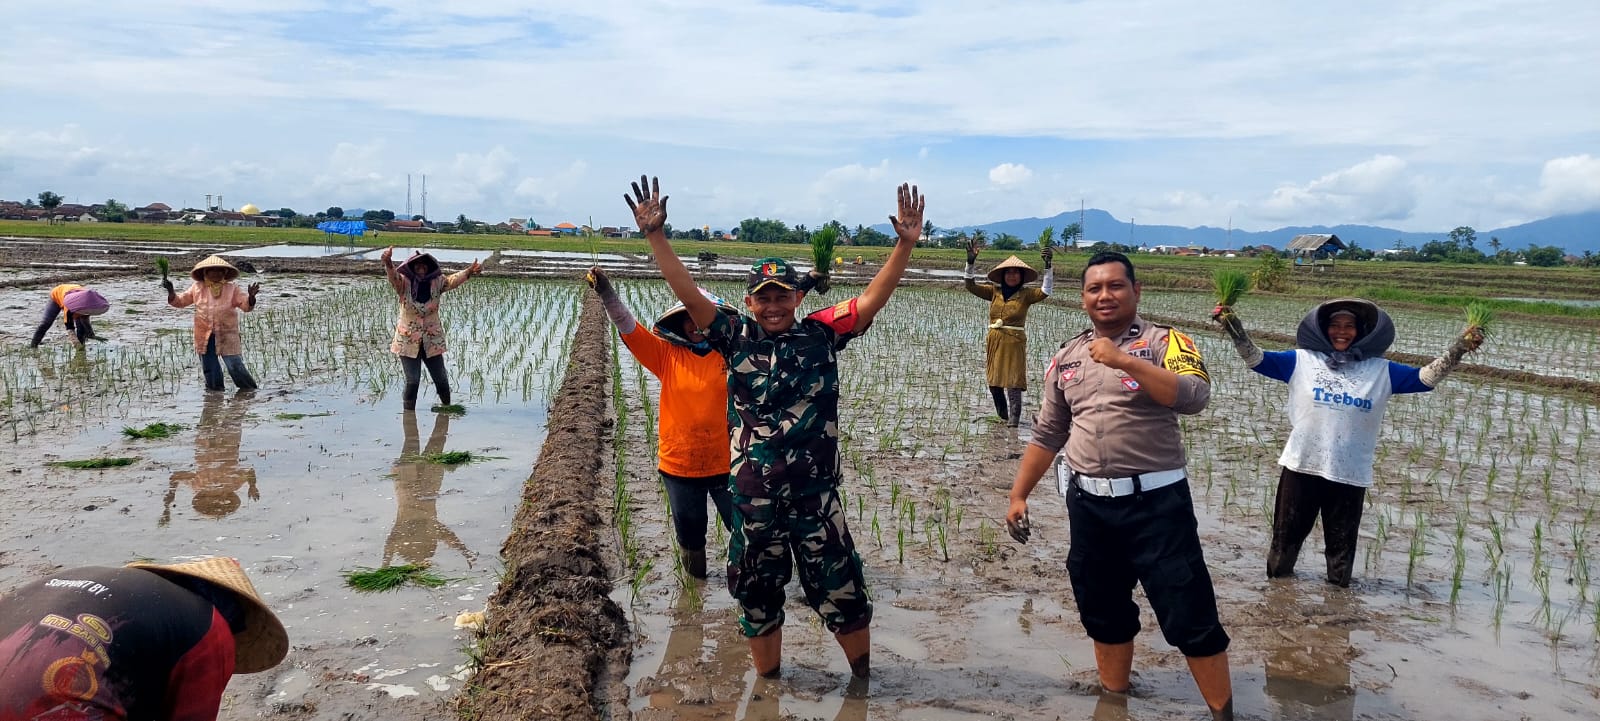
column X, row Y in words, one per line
column 552, row 628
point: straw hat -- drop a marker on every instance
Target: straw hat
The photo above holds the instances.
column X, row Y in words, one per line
column 214, row 261
column 998, row 273
column 667, row 324
column 263, row 643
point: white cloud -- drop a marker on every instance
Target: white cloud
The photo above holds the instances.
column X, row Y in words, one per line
column 1009, row 174
column 1379, row 189
column 1569, row 185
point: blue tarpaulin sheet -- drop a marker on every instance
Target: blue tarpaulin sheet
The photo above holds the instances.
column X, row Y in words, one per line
column 343, row 227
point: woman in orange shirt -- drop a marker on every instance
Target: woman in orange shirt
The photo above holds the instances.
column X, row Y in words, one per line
column 78, row 303
column 692, row 448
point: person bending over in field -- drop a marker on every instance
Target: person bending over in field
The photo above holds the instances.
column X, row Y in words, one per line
column 692, row 448
column 418, row 333
column 1339, row 387
column 78, row 303
column 783, row 389
column 217, row 302
column 1007, row 341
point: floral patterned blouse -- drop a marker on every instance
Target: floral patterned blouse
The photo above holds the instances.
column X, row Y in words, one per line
column 419, row 324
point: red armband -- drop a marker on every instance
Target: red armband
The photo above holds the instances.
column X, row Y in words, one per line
column 841, row 316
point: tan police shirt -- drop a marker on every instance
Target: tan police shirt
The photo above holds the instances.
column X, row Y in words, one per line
column 1109, row 425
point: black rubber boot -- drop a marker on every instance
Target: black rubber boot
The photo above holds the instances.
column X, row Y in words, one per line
column 999, row 401
column 694, row 562
column 1014, row 406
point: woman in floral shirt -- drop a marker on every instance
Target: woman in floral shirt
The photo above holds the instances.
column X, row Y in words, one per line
column 217, row 301
column 418, row 334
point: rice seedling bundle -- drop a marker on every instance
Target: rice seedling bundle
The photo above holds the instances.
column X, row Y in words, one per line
column 163, row 265
column 1230, row 285
column 389, row 578
column 1479, row 318
column 93, row 463
column 154, row 430
column 822, row 243
column 454, row 409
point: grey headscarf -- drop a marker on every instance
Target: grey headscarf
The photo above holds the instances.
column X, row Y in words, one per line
column 1374, row 331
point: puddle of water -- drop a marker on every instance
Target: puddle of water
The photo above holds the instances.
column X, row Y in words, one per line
column 936, row 272
column 561, row 254
column 294, row 251
column 443, row 255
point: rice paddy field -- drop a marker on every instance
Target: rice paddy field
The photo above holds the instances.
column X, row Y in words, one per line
column 1474, row 595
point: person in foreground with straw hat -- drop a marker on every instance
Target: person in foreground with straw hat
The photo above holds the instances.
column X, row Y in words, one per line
column 1007, row 341
column 692, row 447
column 217, row 302
column 418, row 332
column 1339, row 386
column 147, row 641
column 783, row 407
column 78, row 303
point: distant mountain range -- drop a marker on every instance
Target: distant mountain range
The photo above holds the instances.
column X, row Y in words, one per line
column 1575, row 233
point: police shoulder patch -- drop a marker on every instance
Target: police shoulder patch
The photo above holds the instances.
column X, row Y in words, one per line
column 1183, row 357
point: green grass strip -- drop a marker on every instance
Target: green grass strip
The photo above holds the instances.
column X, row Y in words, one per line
column 154, row 430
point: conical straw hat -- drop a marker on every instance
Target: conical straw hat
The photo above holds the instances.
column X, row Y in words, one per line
column 997, row 274
column 214, row 261
column 263, row 643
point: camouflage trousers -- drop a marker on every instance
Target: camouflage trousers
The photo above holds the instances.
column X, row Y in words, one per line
column 771, row 536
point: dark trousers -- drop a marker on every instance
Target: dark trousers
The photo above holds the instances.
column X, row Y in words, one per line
column 687, row 497
column 78, row 325
column 213, row 370
column 436, row 371
column 1150, row 539
column 1301, row 497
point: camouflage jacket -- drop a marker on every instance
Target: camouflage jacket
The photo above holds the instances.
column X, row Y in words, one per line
column 783, row 400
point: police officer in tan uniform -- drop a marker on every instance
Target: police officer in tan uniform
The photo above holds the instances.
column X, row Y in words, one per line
column 1111, row 397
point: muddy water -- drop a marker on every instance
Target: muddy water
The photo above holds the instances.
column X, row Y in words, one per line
column 977, row 626
column 313, row 475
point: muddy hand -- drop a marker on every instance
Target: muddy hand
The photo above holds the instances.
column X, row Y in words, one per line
column 254, row 289
column 649, row 206
column 908, row 224
column 972, row 251
column 1048, row 254
column 167, row 283
column 597, row 279
column 475, row 269
column 1019, row 529
column 1472, row 339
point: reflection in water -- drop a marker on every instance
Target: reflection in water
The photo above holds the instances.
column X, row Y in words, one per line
column 689, row 676
column 1308, row 674
column 217, row 475
column 417, row 530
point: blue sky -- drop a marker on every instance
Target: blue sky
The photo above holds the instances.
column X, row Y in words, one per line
column 1409, row 115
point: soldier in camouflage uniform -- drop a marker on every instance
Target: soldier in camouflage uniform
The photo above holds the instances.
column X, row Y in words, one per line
column 783, row 393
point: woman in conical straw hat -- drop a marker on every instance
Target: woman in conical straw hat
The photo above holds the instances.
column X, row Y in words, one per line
column 78, row 303
column 1007, row 342
column 145, row 641
column 418, row 332
column 217, row 301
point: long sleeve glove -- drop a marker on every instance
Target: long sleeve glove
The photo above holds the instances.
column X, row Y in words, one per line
column 972, row 270
column 1435, row 372
column 1047, row 282
column 1242, row 344
column 615, row 310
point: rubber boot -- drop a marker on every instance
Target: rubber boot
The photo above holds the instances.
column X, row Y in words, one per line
column 1014, row 402
column 766, row 653
column 694, row 562
column 999, row 395
column 857, row 647
column 409, row 397
column 444, row 392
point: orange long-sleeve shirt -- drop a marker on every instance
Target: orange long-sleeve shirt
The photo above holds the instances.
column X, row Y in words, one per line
column 693, row 434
